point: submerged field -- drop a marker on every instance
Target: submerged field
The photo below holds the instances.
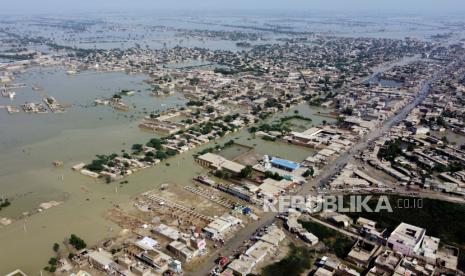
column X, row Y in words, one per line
column 31, row 142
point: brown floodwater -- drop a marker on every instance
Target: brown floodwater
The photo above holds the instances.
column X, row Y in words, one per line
column 29, row 144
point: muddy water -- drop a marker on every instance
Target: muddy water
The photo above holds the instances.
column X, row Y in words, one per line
column 29, row 143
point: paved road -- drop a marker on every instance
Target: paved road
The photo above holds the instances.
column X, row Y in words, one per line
column 321, row 180
column 234, row 243
column 389, row 65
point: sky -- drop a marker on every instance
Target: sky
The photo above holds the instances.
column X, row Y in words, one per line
column 437, row 7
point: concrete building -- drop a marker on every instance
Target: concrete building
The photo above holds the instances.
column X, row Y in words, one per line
column 147, row 243
column 217, row 162
column 221, row 226
column 152, row 257
column 273, row 236
column 293, row 225
column 156, row 259
column 100, row 260
column 406, row 239
column 385, row 263
column 140, row 269
column 259, row 250
column 181, row 251
column 284, row 164
column 414, row 266
column 242, row 266
column 167, row 232
column 429, row 249
column 362, row 253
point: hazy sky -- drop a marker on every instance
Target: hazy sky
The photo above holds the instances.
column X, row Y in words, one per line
column 438, row 7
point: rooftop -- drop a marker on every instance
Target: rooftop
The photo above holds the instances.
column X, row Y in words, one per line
column 285, row 163
column 220, row 162
column 408, row 234
column 147, row 243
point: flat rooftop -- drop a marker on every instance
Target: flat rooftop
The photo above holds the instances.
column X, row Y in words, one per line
column 408, row 234
column 285, row 163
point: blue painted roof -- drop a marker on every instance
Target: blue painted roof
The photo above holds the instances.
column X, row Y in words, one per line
column 285, row 163
column 247, row 210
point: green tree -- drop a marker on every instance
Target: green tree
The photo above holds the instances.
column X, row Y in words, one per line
column 246, row 172
column 77, row 242
column 160, row 155
column 137, row 148
column 391, row 150
column 275, row 176
column 308, row 172
column 53, row 261
column 147, row 158
column 4, row 203
column 228, row 118
column 171, row 152
column 210, row 109
column 341, row 119
column 219, row 173
column 295, row 263
column 56, row 247
column 155, row 143
column 348, row 111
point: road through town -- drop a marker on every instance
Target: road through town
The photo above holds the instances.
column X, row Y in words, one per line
column 331, row 169
column 319, row 181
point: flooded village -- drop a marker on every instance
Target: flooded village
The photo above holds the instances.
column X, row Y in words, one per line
column 157, row 152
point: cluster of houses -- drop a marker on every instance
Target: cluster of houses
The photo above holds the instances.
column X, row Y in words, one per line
column 149, row 155
column 329, row 142
column 406, row 250
column 429, row 140
column 248, row 190
column 265, row 245
column 142, row 257
column 34, row 108
column 165, row 251
column 293, row 225
column 8, row 72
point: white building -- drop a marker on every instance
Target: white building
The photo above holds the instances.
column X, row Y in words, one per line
column 147, row 243
column 259, row 250
column 217, row 162
column 242, row 266
column 429, row 249
column 406, row 239
column 221, row 226
column 101, row 260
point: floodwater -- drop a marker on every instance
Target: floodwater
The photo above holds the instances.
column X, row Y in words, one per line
column 386, row 83
column 31, row 142
column 234, row 151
